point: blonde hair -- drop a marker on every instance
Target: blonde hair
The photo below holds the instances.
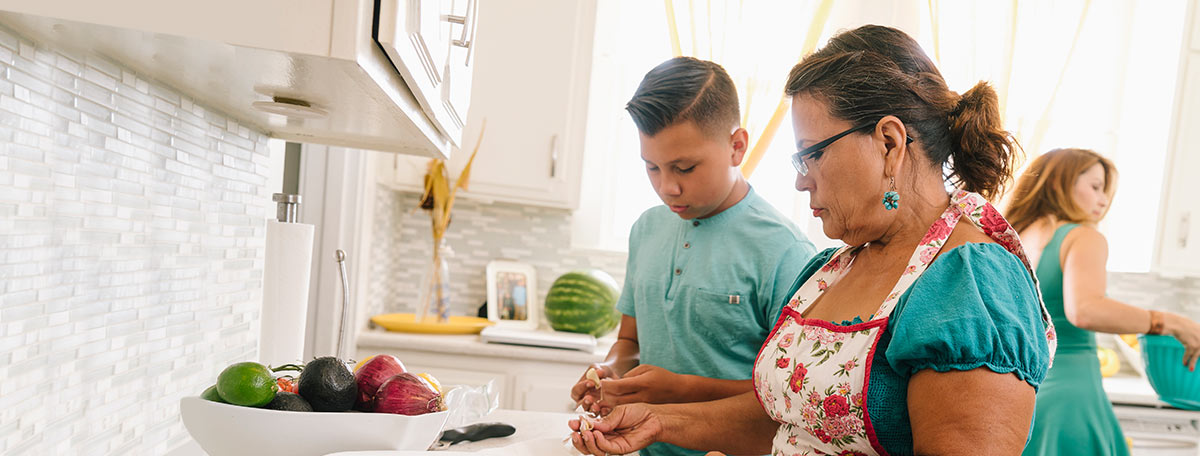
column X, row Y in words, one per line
column 1046, row 187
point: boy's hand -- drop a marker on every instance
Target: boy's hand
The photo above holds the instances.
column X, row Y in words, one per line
column 586, row 392
column 645, row 383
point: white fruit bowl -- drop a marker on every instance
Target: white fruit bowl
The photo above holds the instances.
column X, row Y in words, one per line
column 224, row 429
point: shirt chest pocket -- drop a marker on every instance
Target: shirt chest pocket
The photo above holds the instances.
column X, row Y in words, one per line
column 728, row 316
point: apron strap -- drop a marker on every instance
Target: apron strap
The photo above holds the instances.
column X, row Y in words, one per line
column 922, row 256
column 985, row 216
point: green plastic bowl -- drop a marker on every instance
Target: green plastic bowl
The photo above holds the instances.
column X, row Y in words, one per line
column 1175, row 384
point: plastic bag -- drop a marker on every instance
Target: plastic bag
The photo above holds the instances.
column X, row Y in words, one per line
column 468, row 404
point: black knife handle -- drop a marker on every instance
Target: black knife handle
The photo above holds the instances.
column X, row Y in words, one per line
column 476, row 432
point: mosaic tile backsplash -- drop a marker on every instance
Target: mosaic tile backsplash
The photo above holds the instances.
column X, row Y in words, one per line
column 131, row 245
column 1151, row 291
column 479, row 233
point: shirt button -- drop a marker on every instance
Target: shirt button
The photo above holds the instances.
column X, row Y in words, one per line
column 678, row 271
column 687, row 245
column 695, row 223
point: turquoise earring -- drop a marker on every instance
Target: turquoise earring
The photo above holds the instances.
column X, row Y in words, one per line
column 891, row 199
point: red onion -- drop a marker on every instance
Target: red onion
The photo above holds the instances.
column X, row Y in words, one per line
column 372, row 374
column 407, row 394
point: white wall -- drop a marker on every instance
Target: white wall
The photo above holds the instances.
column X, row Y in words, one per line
column 131, row 245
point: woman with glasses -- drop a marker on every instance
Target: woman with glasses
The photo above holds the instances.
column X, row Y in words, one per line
column 925, row 334
column 1055, row 206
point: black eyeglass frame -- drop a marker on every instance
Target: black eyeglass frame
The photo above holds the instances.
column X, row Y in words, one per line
column 798, row 157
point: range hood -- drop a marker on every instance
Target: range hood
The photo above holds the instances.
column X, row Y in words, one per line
column 313, row 68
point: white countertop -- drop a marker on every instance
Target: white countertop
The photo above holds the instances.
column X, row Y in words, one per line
column 1132, row 390
column 529, row 425
column 537, row 434
column 470, row 344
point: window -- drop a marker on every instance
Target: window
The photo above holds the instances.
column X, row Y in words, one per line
column 1114, row 94
column 630, row 40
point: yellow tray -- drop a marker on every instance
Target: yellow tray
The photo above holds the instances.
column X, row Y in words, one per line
column 406, row 322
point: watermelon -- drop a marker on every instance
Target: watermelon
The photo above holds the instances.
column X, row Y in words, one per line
column 583, row 302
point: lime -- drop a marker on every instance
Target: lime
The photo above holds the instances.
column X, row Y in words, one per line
column 211, row 394
column 247, row 383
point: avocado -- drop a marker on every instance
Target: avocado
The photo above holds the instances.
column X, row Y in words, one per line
column 328, row 385
column 290, row 402
column 210, row 394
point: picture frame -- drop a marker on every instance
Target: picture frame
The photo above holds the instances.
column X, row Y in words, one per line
column 512, row 295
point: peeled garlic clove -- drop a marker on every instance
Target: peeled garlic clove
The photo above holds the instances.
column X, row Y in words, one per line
column 585, row 423
column 595, row 378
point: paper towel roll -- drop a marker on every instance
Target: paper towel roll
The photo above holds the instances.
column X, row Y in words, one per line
column 286, row 274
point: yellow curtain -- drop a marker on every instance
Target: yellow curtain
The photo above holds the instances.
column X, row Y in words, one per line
column 728, row 31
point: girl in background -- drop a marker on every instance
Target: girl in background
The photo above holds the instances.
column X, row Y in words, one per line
column 1055, row 208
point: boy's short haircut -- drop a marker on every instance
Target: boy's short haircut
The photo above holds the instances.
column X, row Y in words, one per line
column 683, row 89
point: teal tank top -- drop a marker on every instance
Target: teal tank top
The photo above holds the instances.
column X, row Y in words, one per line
column 1050, row 280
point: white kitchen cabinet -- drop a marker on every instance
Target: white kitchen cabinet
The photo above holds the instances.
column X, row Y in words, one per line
column 1179, row 230
column 320, row 60
column 431, row 43
column 526, row 378
column 545, row 393
column 1178, row 245
column 531, row 76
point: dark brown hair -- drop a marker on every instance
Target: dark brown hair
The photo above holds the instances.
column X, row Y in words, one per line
column 1047, row 187
column 682, row 89
column 874, row 71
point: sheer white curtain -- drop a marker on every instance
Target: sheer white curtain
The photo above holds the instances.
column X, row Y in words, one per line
column 1077, row 73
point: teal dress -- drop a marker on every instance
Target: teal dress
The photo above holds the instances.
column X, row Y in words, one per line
column 1073, row 415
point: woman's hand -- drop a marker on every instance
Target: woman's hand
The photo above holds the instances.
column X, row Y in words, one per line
column 645, row 383
column 736, row 424
column 586, row 393
column 1187, row 332
column 626, row 429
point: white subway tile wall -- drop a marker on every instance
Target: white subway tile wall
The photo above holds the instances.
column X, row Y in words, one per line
column 131, row 246
column 479, row 233
column 1152, row 291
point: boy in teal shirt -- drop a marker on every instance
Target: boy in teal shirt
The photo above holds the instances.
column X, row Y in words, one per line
column 708, row 272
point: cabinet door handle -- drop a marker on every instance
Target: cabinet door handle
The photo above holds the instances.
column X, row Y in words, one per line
column 468, row 23
column 553, row 155
column 1185, row 227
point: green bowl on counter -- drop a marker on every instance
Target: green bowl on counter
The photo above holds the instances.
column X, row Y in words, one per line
column 1171, row 379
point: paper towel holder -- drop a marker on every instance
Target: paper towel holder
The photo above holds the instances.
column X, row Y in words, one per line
column 288, row 207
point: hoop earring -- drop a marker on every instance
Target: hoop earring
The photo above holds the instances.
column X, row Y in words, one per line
column 891, row 199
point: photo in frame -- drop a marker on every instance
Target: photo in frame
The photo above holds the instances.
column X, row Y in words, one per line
column 512, row 295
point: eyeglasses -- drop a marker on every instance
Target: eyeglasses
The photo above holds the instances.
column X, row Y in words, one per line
column 798, row 157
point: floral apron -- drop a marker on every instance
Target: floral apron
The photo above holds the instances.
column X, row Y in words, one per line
column 812, row 376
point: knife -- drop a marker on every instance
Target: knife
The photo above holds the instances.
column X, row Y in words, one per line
column 473, row 433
